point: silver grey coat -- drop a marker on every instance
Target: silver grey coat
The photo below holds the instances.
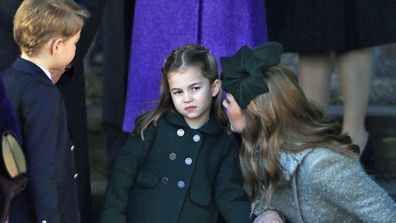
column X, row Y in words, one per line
column 320, row 185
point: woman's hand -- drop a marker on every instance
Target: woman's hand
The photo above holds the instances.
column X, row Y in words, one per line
column 269, row 216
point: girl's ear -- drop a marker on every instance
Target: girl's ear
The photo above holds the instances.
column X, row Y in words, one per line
column 56, row 45
column 216, row 87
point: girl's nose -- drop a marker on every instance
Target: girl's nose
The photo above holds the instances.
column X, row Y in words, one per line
column 187, row 97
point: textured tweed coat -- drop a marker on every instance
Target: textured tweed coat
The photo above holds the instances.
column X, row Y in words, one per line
column 187, row 175
column 321, row 185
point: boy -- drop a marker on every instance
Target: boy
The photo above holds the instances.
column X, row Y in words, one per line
column 47, row 32
column 71, row 85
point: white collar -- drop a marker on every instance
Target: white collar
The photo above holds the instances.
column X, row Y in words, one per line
column 45, row 71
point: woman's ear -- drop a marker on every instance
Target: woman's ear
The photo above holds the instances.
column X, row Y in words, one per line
column 56, row 45
column 216, row 87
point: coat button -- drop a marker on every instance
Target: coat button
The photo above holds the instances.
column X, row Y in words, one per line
column 164, row 180
column 172, row 156
column 196, row 138
column 181, row 184
column 72, row 148
column 75, row 176
column 188, row 161
column 180, row 132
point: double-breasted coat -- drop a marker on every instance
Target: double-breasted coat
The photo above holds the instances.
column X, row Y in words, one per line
column 51, row 195
column 177, row 174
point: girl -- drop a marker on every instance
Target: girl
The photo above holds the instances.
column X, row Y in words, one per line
column 294, row 159
column 180, row 165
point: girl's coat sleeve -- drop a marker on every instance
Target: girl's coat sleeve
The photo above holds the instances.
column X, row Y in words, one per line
column 123, row 177
column 231, row 197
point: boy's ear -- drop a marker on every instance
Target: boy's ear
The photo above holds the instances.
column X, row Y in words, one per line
column 56, row 45
column 216, row 87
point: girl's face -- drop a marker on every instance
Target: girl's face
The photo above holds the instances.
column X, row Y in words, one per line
column 235, row 115
column 192, row 95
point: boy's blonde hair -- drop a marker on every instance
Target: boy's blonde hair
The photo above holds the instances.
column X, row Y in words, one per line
column 37, row 21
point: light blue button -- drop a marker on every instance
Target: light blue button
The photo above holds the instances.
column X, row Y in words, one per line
column 164, row 180
column 181, row 184
column 180, row 132
column 172, row 156
column 196, row 138
column 188, row 161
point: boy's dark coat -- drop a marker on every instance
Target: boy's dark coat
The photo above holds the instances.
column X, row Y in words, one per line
column 71, row 84
column 47, row 147
column 151, row 190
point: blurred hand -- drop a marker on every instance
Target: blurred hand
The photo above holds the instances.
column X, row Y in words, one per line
column 11, row 187
column 268, row 217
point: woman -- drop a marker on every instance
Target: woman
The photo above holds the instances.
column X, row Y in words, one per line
column 294, row 159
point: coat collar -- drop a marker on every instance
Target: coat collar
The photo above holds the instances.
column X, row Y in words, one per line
column 289, row 162
column 29, row 67
column 211, row 127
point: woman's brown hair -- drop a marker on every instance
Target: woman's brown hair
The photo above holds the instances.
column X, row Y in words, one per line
column 283, row 119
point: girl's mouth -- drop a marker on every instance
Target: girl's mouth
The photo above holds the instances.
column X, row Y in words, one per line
column 190, row 108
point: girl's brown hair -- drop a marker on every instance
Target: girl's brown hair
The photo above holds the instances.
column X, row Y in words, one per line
column 37, row 21
column 283, row 119
column 185, row 56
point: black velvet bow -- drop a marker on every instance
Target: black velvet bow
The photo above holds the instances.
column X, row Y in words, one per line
column 242, row 73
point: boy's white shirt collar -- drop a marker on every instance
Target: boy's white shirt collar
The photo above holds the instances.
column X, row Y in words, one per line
column 45, row 71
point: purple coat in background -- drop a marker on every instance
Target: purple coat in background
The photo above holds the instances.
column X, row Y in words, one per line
column 161, row 26
column 8, row 119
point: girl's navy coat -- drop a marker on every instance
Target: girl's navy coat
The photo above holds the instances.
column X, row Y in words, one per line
column 177, row 174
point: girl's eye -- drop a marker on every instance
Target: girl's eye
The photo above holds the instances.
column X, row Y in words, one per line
column 177, row 92
column 196, row 88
